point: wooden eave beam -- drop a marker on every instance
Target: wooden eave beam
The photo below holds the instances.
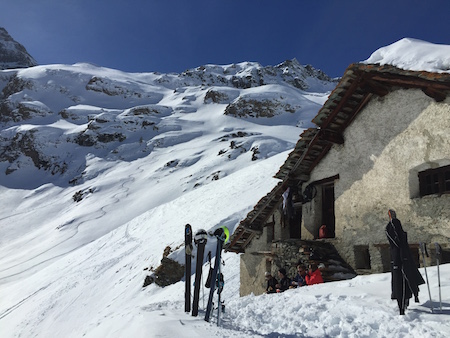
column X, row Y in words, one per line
column 327, row 180
column 302, row 177
column 432, row 88
column 435, row 94
column 331, row 136
column 374, row 87
column 408, row 81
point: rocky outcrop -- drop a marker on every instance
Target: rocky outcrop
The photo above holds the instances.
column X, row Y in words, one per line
column 249, row 107
column 12, row 53
column 169, row 272
column 251, row 74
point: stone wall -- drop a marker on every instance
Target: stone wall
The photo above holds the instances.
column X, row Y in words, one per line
column 255, row 262
column 289, row 253
column 387, row 144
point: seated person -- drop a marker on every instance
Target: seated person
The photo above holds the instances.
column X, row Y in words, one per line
column 284, row 283
column 271, row 283
column 314, row 275
column 299, row 280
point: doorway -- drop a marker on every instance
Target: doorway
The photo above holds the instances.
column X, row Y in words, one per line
column 328, row 208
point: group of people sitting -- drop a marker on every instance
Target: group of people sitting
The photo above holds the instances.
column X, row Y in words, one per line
column 304, row 277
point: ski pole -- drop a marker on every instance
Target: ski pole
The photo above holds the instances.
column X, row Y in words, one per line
column 203, row 291
column 438, row 260
column 218, row 295
column 423, row 249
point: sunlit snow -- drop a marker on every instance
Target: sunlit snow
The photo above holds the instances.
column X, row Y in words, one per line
column 76, row 269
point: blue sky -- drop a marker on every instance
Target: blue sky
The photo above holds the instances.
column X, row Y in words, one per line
column 175, row 35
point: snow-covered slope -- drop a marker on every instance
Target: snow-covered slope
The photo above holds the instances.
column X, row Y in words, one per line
column 86, row 150
column 101, row 169
column 54, row 116
column 79, row 143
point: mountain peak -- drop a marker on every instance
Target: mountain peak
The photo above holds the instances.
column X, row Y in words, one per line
column 12, row 53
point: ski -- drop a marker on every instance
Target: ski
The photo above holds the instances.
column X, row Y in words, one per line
column 208, row 279
column 220, row 235
column 200, row 240
column 187, row 267
column 423, row 249
column 438, row 261
column 219, row 284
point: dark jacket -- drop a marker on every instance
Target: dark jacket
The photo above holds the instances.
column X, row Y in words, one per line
column 285, row 282
column 406, row 278
column 271, row 285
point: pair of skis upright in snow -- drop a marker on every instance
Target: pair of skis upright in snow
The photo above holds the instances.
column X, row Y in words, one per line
column 216, row 280
column 200, row 241
column 423, row 249
column 187, row 267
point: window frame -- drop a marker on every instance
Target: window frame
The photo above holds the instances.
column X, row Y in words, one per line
column 434, row 181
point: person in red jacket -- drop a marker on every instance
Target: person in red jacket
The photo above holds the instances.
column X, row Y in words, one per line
column 314, row 276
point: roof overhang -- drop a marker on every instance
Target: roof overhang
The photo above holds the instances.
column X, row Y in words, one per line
column 356, row 88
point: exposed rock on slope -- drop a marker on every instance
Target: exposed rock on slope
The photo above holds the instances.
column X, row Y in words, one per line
column 12, row 53
column 54, row 117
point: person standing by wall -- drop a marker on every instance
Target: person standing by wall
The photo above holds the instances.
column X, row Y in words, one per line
column 405, row 277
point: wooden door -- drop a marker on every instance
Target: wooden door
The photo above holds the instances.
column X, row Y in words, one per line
column 328, row 208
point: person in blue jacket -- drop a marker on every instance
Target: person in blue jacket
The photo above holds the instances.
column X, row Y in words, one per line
column 299, row 280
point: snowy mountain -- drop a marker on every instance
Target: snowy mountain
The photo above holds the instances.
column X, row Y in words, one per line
column 12, row 53
column 54, row 116
column 100, row 170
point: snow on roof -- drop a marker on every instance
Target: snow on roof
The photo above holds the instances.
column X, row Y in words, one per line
column 413, row 54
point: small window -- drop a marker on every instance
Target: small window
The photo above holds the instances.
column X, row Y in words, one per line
column 435, row 181
column 362, row 257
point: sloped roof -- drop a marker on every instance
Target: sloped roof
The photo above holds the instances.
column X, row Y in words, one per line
column 358, row 85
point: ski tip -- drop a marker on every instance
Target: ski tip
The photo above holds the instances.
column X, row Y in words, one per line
column 200, row 236
column 222, row 233
column 201, row 232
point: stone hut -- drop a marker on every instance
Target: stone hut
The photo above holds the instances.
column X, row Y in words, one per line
column 382, row 141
